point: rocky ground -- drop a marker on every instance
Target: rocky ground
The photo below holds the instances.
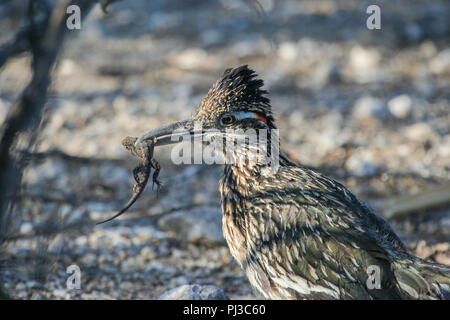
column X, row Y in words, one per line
column 367, row 107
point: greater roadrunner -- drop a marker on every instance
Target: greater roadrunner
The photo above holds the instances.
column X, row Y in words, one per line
column 297, row 233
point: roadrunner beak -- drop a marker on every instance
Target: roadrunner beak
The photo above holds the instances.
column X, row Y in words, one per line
column 169, row 134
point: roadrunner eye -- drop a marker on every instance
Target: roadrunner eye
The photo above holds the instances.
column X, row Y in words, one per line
column 227, row 119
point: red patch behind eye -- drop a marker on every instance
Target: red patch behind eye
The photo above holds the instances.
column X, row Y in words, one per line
column 263, row 119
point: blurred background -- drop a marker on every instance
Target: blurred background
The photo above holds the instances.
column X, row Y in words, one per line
column 369, row 108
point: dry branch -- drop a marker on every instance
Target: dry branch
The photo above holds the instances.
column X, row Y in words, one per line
column 404, row 206
column 45, row 41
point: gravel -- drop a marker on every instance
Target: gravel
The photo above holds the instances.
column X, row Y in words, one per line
column 368, row 108
column 197, row 225
column 194, row 292
column 400, row 106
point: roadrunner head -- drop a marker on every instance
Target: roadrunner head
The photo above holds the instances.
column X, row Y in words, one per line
column 236, row 100
column 234, row 115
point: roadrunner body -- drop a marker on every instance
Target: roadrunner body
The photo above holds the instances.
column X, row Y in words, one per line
column 297, row 233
